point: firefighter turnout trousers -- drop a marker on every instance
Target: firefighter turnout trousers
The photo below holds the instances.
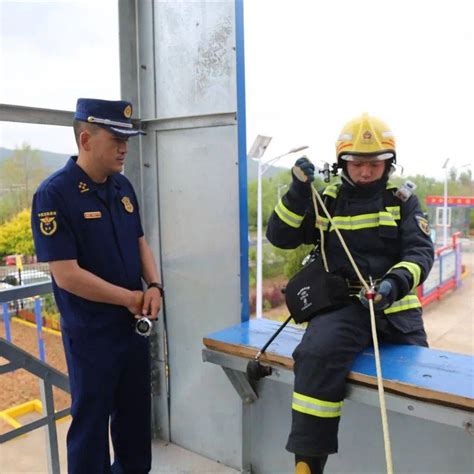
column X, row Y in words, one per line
column 323, row 360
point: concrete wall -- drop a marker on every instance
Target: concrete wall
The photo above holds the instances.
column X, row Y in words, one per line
column 419, row 446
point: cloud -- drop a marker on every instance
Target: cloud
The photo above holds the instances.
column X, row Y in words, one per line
column 54, row 52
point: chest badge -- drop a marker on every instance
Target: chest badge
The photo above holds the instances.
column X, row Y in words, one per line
column 48, row 223
column 127, row 204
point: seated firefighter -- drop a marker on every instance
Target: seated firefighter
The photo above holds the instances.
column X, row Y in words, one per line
column 388, row 237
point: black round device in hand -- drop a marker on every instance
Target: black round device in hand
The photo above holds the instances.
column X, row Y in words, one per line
column 143, row 326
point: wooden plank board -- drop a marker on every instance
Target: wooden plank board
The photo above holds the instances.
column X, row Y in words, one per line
column 440, row 377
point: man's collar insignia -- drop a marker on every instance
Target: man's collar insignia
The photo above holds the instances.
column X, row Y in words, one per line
column 83, row 188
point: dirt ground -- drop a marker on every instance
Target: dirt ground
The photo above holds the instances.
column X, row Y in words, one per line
column 20, row 386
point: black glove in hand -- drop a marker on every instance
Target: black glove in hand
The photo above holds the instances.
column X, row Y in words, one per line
column 303, row 170
column 384, row 295
column 302, row 174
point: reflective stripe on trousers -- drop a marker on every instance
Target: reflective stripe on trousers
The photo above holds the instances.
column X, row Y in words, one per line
column 316, row 407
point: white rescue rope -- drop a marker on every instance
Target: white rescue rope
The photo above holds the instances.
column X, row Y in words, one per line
column 370, row 297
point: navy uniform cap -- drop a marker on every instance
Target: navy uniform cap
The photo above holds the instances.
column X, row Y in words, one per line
column 113, row 115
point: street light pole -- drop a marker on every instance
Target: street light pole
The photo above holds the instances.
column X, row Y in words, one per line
column 445, row 207
column 262, row 168
column 256, row 152
column 258, row 273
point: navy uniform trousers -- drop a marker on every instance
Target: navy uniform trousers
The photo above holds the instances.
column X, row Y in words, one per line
column 109, row 378
column 323, row 361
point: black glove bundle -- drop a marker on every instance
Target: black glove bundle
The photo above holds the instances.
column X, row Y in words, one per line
column 303, row 175
column 303, row 170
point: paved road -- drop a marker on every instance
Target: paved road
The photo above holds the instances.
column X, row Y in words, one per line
column 26, row 455
column 450, row 322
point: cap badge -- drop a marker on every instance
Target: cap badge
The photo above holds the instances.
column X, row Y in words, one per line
column 367, row 135
column 127, row 204
column 48, row 223
column 128, row 111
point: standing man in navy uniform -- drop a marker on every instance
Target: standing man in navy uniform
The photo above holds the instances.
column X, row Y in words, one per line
column 86, row 225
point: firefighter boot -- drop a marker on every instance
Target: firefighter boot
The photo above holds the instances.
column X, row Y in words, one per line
column 310, row 464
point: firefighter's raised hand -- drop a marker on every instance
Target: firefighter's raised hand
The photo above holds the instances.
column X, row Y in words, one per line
column 384, row 295
column 303, row 170
column 303, row 175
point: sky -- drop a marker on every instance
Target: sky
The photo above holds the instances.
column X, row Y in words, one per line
column 54, row 52
column 311, row 66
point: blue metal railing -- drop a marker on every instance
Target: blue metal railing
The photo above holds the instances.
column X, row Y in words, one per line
column 19, row 359
column 21, row 292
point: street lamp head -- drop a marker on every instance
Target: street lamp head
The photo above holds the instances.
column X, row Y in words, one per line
column 299, row 148
column 289, row 152
column 259, row 147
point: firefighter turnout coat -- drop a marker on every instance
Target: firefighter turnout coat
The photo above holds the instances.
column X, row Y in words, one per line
column 387, row 237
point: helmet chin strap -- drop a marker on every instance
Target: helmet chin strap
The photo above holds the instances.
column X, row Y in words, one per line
column 346, row 178
column 389, row 170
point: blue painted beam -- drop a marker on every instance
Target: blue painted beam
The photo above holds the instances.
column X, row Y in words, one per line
column 422, row 371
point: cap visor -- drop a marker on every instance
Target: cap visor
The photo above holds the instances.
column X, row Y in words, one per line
column 126, row 132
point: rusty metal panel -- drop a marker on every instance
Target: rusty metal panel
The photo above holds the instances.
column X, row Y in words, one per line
column 195, row 58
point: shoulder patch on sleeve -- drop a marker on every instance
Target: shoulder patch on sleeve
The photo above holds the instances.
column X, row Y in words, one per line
column 423, row 224
column 47, row 222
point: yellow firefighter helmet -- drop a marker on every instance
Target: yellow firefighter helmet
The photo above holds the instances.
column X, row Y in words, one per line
column 365, row 135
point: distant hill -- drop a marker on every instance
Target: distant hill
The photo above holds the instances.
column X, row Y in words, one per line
column 51, row 161
column 252, row 170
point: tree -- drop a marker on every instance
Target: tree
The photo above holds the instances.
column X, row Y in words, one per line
column 465, row 178
column 16, row 236
column 20, row 175
column 293, row 258
column 272, row 189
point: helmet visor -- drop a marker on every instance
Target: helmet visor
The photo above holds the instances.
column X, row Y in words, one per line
column 368, row 156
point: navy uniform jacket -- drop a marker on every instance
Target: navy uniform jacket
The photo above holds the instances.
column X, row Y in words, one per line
column 386, row 236
column 73, row 218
